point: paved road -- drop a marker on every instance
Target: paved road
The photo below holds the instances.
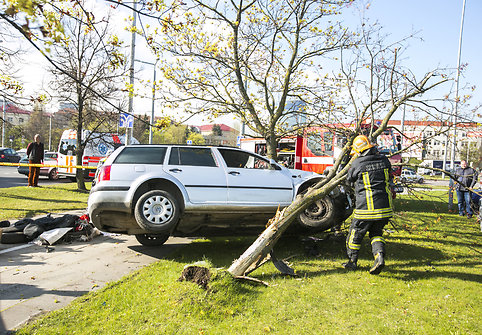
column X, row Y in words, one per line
column 33, row 281
column 9, row 177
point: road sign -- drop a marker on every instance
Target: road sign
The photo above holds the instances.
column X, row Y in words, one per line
column 126, row 121
column 238, row 140
column 189, row 142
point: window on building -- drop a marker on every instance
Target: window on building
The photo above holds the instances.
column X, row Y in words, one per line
column 9, row 119
column 20, row 120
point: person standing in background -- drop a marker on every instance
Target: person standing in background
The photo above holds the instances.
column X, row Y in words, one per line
column 35, row 154
column 466, row 177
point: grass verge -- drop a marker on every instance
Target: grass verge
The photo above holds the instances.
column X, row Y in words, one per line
column 431, row 285
column 20, row 202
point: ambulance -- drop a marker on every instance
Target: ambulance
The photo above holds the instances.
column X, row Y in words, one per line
column 98, row 145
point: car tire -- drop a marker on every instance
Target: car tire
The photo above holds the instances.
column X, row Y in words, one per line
column 157, row 212
column 420, row 181
column 403, row 180
column 53, row 174
column 320, row 215
column 13, row 238
column 152, row 240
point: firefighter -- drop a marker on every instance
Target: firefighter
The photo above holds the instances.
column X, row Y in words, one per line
column 370, row 175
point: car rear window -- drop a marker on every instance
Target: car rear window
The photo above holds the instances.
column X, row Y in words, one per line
column 191, row 156
column 143, row 155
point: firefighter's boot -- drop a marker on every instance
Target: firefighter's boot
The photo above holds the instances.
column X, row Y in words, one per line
column 350, row 265
column 378, row 265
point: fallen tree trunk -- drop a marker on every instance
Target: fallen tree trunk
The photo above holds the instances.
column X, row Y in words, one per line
column 258, row 251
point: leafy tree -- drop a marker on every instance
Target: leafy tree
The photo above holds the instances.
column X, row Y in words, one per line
column 141, row 129
column 250, row 59
column 17, row 135
column 38, row 123
column 471, row 153
column 10, row 58
column 84, row 72
column 217, row 130
column 196, row 138
column 177, row 134
column 373, row 84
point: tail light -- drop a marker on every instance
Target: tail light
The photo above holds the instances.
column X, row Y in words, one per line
column 3, row 156
column 104, row 173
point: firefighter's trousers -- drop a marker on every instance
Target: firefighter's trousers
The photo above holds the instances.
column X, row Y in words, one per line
column 358, row 229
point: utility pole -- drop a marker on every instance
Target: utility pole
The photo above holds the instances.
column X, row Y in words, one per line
column 454, row 115
column 131, row 69
column 4, row 121
column 151, row 125
column 50, row 130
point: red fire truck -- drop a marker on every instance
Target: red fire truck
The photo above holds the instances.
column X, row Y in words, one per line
column 318, row 148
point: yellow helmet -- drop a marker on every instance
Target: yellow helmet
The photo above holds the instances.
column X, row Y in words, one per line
column 360, row 144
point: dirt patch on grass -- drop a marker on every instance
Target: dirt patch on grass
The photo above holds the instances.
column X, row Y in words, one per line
column 196, row 274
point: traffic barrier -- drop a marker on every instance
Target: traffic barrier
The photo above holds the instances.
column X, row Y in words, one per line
column 50, row 165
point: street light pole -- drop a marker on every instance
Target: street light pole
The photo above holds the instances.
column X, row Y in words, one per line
column 151, row 124
column 50, row 130
column 131, row 69
column 4, row 122
column 454, row 115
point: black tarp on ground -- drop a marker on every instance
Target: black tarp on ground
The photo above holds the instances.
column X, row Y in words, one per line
column 25, row 230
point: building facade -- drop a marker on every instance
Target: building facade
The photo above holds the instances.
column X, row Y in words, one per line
column 431, row 140
column 224, row 135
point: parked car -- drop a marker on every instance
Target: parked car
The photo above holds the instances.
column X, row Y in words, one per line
column 155, row 191
column 409, row 176
column 22, row 153
column 50, row 158
column 8, row 155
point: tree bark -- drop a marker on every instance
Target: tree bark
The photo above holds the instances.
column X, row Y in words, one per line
column 266, row 241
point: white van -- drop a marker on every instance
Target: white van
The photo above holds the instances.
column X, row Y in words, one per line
column 97, row 147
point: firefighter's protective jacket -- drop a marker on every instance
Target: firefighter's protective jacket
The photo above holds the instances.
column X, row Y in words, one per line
column 370, row 175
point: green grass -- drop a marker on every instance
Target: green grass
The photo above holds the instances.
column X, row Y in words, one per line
column 20, row 202
column 431, row 285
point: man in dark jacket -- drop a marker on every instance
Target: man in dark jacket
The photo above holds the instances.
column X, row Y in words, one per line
column 35, row 154
column 465, row 178
column 371, row 177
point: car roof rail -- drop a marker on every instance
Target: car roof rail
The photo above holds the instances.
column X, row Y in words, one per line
column 187, row 145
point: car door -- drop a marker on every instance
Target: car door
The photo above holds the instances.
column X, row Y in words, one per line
column 197, row 169
column 253, row 181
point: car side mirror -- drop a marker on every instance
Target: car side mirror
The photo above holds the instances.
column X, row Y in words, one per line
column 273, row 164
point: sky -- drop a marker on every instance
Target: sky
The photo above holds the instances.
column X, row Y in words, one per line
column 436, row 21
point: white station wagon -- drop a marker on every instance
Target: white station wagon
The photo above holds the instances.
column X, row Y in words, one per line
column 157, row 191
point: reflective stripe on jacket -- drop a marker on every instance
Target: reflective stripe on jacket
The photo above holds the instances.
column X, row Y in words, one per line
column 370, row 174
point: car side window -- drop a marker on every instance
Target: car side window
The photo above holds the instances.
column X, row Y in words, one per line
column 143, row 155
column 244, row 160
column 191, row 156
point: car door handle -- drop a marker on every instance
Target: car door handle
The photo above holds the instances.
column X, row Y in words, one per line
column 234, row 173
column 175, row 170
